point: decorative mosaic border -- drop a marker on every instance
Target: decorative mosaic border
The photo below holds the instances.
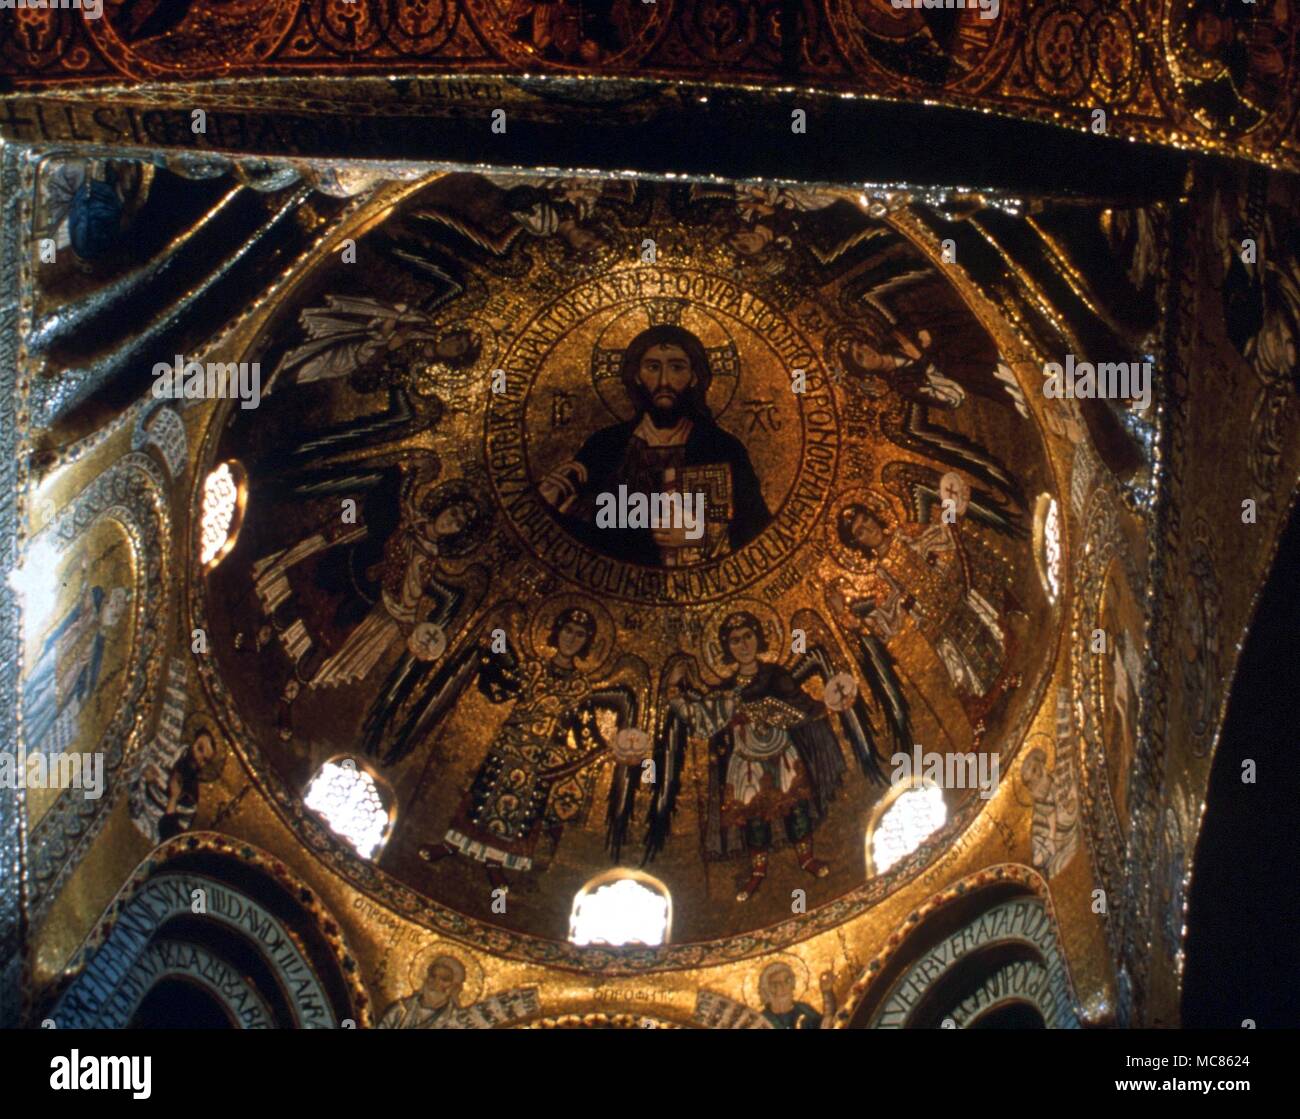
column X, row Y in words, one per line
column 1103, row 542
column 1003, row 874
column 308, row 901
column 599, row 1021
column 1054, row 61
column 12, row 802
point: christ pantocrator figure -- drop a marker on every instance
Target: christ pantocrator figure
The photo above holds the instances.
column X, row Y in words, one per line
column 672, row 444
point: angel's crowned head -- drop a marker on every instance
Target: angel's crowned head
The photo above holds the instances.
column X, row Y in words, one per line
column 572, row 634
column 862, row 529
column 741, row 639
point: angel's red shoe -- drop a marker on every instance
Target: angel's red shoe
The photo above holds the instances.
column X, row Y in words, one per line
column 758, row 871
column 815, row 867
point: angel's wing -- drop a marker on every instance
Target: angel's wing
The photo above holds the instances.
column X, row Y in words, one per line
column 669, row 758
column 342, row 336
column 439, row 691
column 427, row 269
column 885, row 272
column 876, row 667
column 625, row 692
column 448, row 682
column 917, row 433
column 918, row 486
column 357, row 454
column 489, row 225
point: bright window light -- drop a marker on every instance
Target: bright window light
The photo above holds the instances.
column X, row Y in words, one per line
column 905, row 825
column 624, row 911
column 221, row 505
column 346, row 797
column 1052, row 548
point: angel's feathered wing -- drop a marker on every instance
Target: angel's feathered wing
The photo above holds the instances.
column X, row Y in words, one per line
column 917, row 433
column 877, row 668
column 398, row 714
column 669, row 762
column 918, row 486
column 625, row 692
column 439, row 690
column 342, row 336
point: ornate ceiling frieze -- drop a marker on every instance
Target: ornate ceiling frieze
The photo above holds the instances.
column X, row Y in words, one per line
column 1215, row 77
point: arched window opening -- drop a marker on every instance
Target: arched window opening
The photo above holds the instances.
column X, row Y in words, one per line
column 225, row 494
column 1047, row 545
column 907, row 816
column 355, row 802
column 621, row 907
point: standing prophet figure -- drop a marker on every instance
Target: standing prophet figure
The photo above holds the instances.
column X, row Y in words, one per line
column 65, row 675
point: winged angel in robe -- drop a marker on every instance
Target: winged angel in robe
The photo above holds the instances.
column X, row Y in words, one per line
column 566, row 722
column 774, row 763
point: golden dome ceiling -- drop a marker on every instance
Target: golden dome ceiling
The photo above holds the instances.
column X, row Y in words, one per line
column 369, row 635
column 424, row 404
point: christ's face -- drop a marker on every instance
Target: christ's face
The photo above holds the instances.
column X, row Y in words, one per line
column 665, row 374
column 742, row 643
column 571, row 638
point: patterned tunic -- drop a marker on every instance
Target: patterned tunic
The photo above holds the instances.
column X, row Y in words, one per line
column 537, row 775
column 772, row 756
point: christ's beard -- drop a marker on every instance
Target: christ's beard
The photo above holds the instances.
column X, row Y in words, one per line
column 670, row 416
